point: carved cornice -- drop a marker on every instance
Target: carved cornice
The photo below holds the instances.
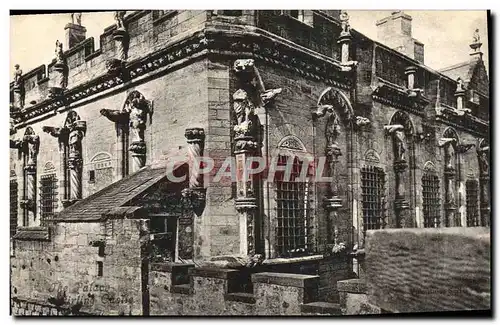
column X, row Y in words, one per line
column 466, row 123
column 257, row 45
column 395, row 96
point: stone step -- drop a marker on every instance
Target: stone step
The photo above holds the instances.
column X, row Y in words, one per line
column 321, row 308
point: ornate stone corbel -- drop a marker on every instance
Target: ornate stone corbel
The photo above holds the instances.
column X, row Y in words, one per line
column 116, row 66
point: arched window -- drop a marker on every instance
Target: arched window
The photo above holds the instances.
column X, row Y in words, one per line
column 431, row 197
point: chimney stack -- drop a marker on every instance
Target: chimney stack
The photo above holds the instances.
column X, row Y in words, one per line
column 395, row 31
column 75, row 32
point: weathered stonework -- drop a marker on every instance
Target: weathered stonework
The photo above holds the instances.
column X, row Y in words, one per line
column 240, row 85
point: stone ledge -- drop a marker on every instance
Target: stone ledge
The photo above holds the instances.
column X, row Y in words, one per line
column 301, row 259
column 32, row 233
column 247, row 298
column 169, row 267
column 352, row 286
column 286, row 279
column 214, row 273
column 321, row 307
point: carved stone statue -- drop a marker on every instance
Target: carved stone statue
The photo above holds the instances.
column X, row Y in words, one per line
column 476, row 38
column 139, row 109
column 76, row 18
column 344, row 20
column 59, row 52
column 33, row 147
column 483, row 160
column 460, row 84
column 243, row 106
column 18, row 73
column 332, row 130
column 399, row 140
column 119, row 18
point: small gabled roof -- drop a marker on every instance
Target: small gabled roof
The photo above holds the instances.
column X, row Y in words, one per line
column 463, row 70
column 114, row 196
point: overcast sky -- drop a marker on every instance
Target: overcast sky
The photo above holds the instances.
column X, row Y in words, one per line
column 445, row 34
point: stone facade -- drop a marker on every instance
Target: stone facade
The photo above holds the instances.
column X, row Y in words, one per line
column 371, row 110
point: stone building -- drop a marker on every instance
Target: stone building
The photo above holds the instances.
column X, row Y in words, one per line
column 99, row 227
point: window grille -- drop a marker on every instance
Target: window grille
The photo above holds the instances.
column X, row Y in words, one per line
column 373, row 193
column 471, row 195
column 48, row 196
column 431, row 201
column 294, row 211
column 13, row 207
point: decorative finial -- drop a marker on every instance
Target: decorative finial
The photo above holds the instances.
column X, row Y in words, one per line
column 344, row 20
column 460, row 85
column 476, row 41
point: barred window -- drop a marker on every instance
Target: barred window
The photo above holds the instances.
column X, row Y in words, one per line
column 373, row 193
column 471, row 195
column 13, row 206
column 293, row 210
column 431, row 201
column 48, row 196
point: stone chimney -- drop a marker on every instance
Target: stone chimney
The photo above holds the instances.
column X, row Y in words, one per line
column 75, row 32
column 395, row 32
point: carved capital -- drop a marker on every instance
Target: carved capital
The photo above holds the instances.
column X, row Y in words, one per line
column 195, row 135
column 245, row 204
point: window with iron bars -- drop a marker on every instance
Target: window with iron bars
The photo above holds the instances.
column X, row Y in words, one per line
column 294, row 212
column 48, row 196
column 471, row 195
column 13, row 207
column 373, row 193
column 431, row 201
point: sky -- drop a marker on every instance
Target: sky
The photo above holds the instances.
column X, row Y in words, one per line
column 445, row 34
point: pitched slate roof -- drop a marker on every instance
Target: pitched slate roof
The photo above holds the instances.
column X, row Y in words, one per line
column 463, row 70
column 95, row 206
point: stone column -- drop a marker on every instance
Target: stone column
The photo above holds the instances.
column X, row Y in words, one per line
column 195, row 193
column 484, row 181
column 77, row 131
column 332, row 202
column 449, row 177
column 31, row 144
column 18, row 144
column 401, row 205
column 245, row 202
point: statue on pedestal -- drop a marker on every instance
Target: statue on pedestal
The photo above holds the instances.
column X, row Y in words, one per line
column 344, row 20
column 59, row 52
column 18, row 73
column 476, row 38
column 119, row 18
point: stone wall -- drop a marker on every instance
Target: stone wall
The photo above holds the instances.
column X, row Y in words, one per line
column 209, row 292
column 64, row 271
